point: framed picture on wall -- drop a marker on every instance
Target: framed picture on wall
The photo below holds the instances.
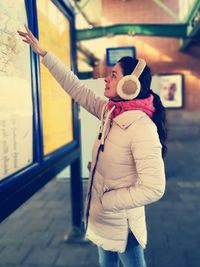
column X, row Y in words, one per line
column 170, row 89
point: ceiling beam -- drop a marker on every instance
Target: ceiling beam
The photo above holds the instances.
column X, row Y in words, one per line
column 161, row 30
column 167, row 10
column 80, row 10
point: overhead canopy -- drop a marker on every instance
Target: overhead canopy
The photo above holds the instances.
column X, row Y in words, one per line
column 167, row 19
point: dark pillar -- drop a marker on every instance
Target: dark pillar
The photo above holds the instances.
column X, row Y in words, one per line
column 76, row 234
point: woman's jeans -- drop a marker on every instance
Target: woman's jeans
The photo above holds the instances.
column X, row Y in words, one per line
column 133, row 256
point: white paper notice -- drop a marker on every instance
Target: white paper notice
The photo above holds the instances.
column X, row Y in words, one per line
column 16, row 108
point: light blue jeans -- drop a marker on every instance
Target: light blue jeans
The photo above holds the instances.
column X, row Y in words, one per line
column 132, row 257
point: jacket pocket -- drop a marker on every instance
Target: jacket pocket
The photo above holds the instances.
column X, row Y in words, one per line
column 105, row 189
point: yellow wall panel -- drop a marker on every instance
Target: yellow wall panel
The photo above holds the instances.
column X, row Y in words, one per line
column 54, row 36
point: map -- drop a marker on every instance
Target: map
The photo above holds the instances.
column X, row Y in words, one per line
column 16, row 108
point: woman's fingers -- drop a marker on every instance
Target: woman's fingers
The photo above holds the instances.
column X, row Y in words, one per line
column 22, row 33
column 24, row 40
column 26, row 36
column 30, row 39
column 29, row 32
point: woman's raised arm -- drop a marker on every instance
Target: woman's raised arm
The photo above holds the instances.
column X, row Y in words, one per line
column 65, row 77
column 30, row 39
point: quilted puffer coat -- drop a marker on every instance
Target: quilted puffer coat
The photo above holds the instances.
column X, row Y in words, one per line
column 127, row 170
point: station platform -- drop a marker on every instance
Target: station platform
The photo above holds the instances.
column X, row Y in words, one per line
column 33, row 235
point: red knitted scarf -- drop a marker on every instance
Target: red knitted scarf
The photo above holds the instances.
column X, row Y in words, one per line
column 145, row 105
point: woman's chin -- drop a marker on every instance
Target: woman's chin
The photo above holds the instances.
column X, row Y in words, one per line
column 106, row 94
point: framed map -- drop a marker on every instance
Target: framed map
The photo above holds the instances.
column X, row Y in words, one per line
column 16, row 107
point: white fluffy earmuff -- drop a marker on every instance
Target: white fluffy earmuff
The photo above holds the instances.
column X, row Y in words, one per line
column 129, row 86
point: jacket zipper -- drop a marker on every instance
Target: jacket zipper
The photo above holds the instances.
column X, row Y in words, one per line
column 90, row 189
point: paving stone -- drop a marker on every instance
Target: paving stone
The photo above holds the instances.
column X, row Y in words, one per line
column 78, row 254
column 79, row 265
column 36, row 214
column 42, row 256
column 37, row 203
column 10, row 239
column 58, row 239
column 189, row 197
column 54, row 204
column 37, row 239
column 178, row 206
column 14, row 265
column 157, row 240
column 149, row 256
column 8, row 265
column 14, row 254
column 197, row 184
column 52, row 197
column 36, row 225
column 58, row 225
column 12, row 226
column 1, row 248
column 184, row 184
column 170, row 258
column 18, row 214
column 182, row 240
column 63, row 213
column 192, row 258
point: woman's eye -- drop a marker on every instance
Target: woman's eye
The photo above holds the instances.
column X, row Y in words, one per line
column 113, row 75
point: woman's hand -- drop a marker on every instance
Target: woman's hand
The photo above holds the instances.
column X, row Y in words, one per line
column 30, row 39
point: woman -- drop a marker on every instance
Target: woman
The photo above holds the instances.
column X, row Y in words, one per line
column 127, row 170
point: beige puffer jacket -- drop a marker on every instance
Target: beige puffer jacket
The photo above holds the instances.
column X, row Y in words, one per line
column 127, row 170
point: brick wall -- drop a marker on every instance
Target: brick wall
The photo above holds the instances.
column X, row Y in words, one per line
column 138, row 11
column 162, row 55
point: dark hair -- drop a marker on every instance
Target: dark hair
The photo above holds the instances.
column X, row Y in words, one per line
column 159, row 117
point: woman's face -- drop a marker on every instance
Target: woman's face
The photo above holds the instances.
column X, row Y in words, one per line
column 112, row 80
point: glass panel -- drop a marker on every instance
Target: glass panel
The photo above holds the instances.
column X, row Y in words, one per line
column 54, row 35
column 16, row 107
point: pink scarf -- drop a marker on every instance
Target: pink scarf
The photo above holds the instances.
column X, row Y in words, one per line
column 145, row 105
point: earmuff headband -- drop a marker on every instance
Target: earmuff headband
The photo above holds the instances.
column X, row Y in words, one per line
column 129, row 86
column 139, row 67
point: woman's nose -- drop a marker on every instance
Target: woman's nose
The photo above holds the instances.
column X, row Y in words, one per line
column 106, row 79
